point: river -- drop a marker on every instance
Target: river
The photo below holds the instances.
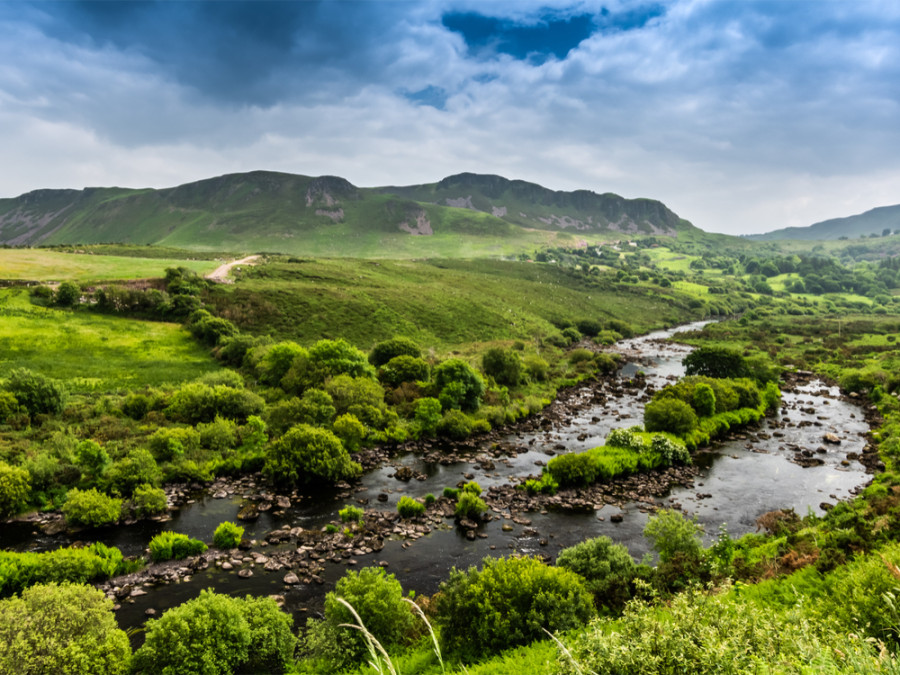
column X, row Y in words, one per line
column 737, row 481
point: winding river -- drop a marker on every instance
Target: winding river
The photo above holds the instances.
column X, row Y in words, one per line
column 735, row 482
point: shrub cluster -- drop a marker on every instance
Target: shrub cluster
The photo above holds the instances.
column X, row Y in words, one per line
column 77, row 565
column 408, row 507
column 173, row 545
column 91, row 508
column 508, row 602
column 227, row 535
column 218, row 634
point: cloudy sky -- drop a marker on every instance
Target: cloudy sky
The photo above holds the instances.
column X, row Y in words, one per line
column 741, row 116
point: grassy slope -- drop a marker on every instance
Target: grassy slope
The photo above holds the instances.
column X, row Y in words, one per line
column 442, row 304
column 34, row 264
column 95, row 353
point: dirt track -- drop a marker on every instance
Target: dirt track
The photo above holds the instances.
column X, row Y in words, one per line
column 220, row 274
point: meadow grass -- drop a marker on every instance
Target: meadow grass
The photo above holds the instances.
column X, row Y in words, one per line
column 444, row 304
column 36, row 264
column 93, row 352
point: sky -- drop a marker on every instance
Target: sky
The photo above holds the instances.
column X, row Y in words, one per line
column 741, row 116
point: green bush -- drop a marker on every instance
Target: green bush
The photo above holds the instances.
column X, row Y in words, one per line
column 217, row 634
column 306, row 454
column 67, row 629
column 504, row 365
column 91, row 508
column 9, row 407
column 137, row 468
column 39, row 395
column 670, row 414
column 18, row 571
column 383, row 352
column 408, row 507
column 459, row 385
column 671, row 533
column 351, row 514
column 704, row 634
column 573, row 469
column 173, row 545
column 469, row 505
column 704, row 400
column 149, row 501
column 536, row 367
column 197, row 402
column 377, row 598
column 428, row 415
column 508, row 602
column 218, row 436
column 92, row 459
column 168, row 444
column 228, row 535
column 15, row 485
column 719, row 362
column 350, row 430
column 607, row 568
column 402, row 369
column 454, row 424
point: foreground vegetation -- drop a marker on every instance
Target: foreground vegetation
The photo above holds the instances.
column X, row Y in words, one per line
column 254, row 387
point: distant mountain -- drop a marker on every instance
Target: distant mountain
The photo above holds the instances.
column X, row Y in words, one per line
column 266, row 211
column 871, row 222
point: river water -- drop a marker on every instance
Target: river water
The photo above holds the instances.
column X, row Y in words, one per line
column 739, row 480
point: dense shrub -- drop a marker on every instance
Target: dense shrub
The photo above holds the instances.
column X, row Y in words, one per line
column 402, row 369
column 351, row 514
column 77, row 565
column 91, row 508
column 573, row 469
column 91, row 459
column 15, row 484
column 276, row 360
column 328, row 358
column 137, row 468
column 536, row 367
column 671, row 533
column 9, row 406
column 719, row 362
column 348, row 393
column 350, row 430
column 408, row 507
column 306, row 454
column 227, row 535
column 427, row 415
column 377, row 598
column 168, row 545
column 504, row 365
column 704, row 400
column 454, row 424
column 702, row 633
column 670, row 414
column 170, row 443
column 388, row 350
column 217, row 634
column 66, row 629
column 197, row 402
column 508, row 602
column 607, row 568
column 459, row 385
column 148, row 501
column 469, row 505
column 39, row 395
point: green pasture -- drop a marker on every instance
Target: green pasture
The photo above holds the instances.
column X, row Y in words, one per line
column 36, row 264
column 443, row 304
column 92, row 352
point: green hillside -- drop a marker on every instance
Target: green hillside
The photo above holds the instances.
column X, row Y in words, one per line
column 465, row 215
column 874, row 222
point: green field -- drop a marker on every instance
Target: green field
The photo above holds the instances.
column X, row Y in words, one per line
column 441, row 304
column 36, row 264
column 95, row 353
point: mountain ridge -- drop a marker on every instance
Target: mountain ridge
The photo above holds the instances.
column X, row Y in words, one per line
column 873, row 221
column 291, row 213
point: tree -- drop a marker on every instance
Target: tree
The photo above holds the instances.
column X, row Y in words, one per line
column 717, row 362
column 305, row 454
column 504, row 365
column 68, row 294
column 65, row 629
